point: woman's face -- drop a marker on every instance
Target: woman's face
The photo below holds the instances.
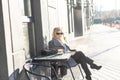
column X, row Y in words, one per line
column 58, row 34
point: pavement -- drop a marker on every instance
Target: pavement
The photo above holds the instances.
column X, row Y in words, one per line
column 102, row 44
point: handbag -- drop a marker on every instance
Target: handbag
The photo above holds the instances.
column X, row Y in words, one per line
column 46, row 52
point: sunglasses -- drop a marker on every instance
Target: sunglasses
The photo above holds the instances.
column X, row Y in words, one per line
column 59, row 33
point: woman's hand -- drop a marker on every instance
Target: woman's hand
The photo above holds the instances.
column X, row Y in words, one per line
column 73, row 52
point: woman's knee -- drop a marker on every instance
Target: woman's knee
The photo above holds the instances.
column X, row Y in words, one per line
column 80, row 53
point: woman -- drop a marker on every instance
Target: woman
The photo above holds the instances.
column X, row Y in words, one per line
column 58, row 42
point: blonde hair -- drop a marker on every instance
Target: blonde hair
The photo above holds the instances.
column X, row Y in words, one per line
column 56, row 29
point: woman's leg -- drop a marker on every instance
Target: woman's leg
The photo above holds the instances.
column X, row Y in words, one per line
column 63, row 70
column 92, row 65
column 79, row 57
column 89, row 61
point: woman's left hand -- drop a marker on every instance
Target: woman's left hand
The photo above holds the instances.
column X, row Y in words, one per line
column 72, row 52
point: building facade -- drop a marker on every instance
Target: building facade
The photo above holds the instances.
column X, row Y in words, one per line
column 26, row 27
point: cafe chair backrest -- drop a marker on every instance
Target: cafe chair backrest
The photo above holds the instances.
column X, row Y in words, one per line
column 33, row 72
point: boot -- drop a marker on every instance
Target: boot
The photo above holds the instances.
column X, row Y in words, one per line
column 88, row 78
column 94, row 66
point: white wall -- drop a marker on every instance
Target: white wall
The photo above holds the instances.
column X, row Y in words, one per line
column 63, row 15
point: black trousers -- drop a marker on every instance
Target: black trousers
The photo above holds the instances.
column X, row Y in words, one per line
column 80, row 58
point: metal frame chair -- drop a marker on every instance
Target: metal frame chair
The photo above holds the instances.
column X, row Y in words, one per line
column 30, row 71
column 70, row 63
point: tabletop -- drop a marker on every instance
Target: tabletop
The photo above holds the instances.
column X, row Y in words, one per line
column 54, row 57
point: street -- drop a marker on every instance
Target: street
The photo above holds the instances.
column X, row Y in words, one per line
column 102, row 44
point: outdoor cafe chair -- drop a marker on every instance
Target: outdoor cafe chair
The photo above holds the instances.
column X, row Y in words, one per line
column 69, row 64
column 33, row 72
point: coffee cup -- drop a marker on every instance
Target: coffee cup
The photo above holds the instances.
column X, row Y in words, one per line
column 60, row 51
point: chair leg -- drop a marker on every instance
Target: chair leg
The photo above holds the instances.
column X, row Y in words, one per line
column 81, row 71
column 71, row 71
column 27, row 75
